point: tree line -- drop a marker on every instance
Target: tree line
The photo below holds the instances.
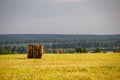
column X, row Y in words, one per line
column 23, row 50
column 12, row 50
column 52, row 42
column 84, row 50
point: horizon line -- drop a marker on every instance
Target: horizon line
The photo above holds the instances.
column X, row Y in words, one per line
column 52, row 34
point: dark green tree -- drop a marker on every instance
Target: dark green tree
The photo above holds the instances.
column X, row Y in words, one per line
column 80, row 50
column 97, row 50
column 85, row 50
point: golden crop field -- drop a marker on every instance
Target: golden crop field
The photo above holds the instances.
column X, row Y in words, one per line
column 61, row 67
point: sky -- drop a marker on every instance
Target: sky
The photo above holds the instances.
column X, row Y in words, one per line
column 59, row 16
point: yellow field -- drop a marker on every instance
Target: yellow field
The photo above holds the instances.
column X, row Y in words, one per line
column 61, row 67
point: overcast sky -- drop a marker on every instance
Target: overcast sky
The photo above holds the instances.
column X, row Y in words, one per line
column 59, row 16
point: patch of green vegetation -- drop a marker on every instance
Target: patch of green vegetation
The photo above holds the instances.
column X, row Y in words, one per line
column 60, row 67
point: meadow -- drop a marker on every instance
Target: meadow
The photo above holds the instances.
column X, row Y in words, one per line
column 97, row 66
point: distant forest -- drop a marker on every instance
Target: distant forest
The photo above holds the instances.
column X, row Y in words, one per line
column 18, row 43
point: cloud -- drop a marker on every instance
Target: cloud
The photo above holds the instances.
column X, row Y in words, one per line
column 57, row 16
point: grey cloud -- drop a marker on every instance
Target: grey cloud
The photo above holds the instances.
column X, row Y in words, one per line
column 46, row 16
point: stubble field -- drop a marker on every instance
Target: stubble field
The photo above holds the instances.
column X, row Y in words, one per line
column 61, row 67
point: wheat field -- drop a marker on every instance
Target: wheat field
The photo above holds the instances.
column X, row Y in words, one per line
column 61, row 67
